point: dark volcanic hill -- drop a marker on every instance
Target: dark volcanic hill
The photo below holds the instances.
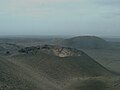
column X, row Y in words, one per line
column 64, row 59
column 86, row 42
column 50, row 67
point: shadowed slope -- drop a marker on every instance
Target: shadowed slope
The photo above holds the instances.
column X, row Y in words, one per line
column 60, row 68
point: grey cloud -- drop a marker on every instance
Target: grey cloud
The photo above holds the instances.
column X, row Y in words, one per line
column 108, row 2
column 109, row 8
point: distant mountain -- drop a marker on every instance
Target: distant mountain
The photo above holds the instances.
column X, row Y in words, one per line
column 86, row 42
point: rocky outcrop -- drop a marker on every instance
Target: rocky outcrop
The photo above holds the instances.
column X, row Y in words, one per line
column 9, row 48
column 52, row 49
column 65, row 52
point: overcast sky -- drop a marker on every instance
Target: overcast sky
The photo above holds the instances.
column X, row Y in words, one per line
column 60, row 17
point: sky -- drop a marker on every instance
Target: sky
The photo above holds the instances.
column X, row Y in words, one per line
column 60, row 17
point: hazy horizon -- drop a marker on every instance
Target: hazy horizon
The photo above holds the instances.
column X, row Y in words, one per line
column 52, row 36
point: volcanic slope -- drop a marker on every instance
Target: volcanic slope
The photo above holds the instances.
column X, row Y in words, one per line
column 41, row 69
column 12, row 77
column 86, row 42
